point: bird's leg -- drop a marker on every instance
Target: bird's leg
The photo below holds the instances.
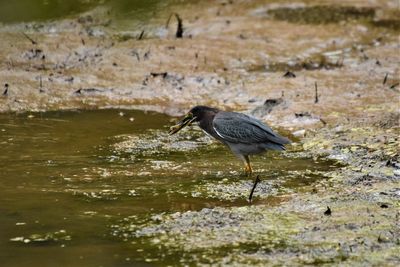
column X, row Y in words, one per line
column 247, row 167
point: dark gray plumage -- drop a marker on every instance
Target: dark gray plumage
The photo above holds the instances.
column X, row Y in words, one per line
column 243, row 134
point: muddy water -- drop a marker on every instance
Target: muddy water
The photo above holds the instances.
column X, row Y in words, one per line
column 39, row 10
column 69, row 180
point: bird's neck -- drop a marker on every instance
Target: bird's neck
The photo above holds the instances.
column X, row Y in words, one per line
column 206, row 123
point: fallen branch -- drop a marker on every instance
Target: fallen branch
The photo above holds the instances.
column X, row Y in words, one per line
column 254, row 187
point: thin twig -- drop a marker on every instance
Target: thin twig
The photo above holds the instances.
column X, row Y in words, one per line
column 394, row 86
column 254, row 187
column 40, row 85
column 141, row 35
column 168, row 20
column 385, row 79
column 5, row 89
column 179, row 30
column 29, row 38
column 316, row 93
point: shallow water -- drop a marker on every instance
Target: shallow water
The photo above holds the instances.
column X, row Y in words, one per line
column 69, row 179
column 41, row 10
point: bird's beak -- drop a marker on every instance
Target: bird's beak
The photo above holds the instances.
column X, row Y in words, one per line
column 187, row 120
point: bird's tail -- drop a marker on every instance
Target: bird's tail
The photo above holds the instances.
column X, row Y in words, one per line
column 274, row 146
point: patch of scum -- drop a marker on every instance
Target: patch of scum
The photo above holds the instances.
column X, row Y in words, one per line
column 231, row 191
column 255, row 236
column 159, row 142
column 215, row 228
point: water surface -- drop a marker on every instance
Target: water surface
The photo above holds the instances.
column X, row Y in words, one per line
column 42, row 10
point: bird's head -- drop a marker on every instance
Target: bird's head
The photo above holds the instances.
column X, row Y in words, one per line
column 196, row 114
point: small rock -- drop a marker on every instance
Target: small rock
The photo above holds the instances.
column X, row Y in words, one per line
column 300, row 133
column 267, row 107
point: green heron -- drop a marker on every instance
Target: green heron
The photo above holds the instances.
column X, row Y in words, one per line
column 243, row 134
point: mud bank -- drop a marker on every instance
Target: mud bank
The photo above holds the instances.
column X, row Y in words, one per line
column 332, row 83
column 97, row 59
column 349, row 217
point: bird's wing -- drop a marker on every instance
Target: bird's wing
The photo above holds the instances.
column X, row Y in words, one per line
column 240, row 128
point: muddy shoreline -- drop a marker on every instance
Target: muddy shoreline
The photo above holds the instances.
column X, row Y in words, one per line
column 332, row 84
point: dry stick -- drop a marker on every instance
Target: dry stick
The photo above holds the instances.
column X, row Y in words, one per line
column 385, row 79
column 316, row 93
column 40, row 85
column 5, row 89
column 394, row 86
column 169, row 18
column 179, row 30
column 254, row 187
column 29, row 38
column 141, row 35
